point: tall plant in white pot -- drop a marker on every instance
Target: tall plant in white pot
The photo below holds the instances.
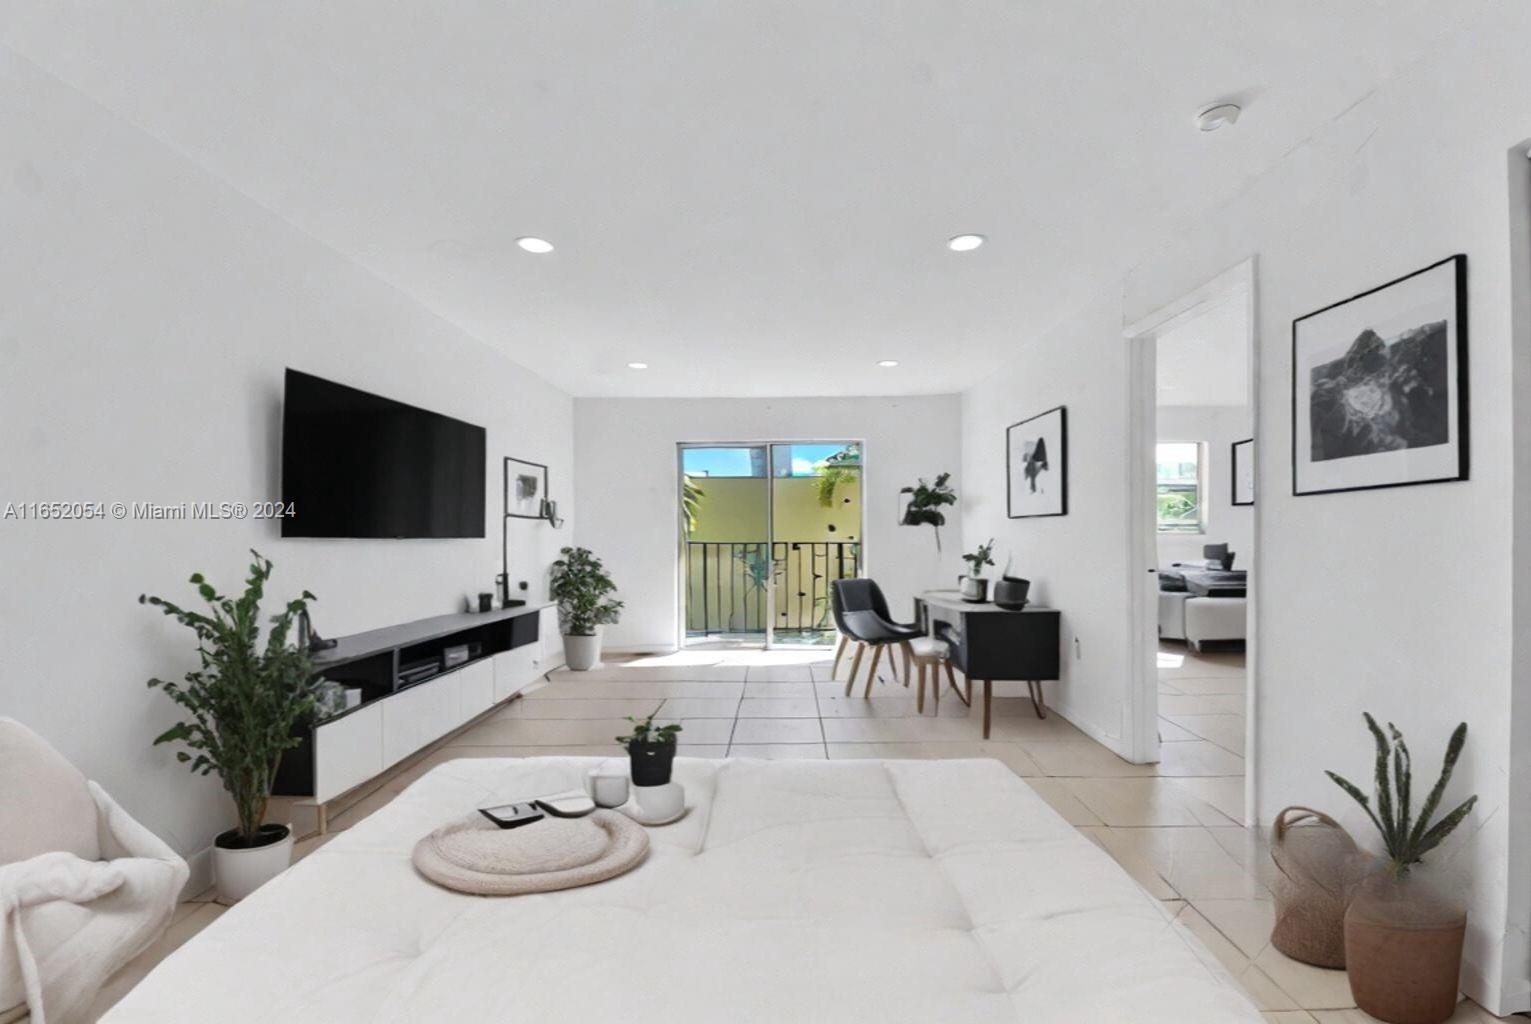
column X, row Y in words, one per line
column 245, row 701
column 583, row 591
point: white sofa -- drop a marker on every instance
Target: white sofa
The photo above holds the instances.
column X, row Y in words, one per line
column 1213, row 619
column 83, row 887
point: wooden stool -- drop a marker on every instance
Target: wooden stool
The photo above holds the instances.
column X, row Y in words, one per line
column 929, row 654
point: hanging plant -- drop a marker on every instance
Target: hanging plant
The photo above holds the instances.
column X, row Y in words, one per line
column 925, row 503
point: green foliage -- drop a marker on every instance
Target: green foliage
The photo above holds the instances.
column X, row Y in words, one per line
column 756, row 568
column 691, row 495
column 581, row 587
column 246, row 699
column 925, row 504
column 980, row 558
column 841, row 467
column 645, row 734
column 1178, row 510
column 1407, row 841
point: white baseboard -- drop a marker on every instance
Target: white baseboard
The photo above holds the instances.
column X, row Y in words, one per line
column 641, row 649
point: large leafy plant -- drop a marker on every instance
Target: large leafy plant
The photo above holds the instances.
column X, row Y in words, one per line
column 1407, row 839
column 582, row 589
column 247, row 696
column 925, row 503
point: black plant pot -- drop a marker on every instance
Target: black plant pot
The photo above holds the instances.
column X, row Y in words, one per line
column 1010, row 592
column 651, row 763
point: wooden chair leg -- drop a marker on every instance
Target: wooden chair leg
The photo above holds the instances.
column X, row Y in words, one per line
column 919, row 697
column 952, row 679
column 872, row 674
column 855, row 667
column 935, row 686
column 908, row 658
column 988, row 704
column 1038, row 704
column 834, row 668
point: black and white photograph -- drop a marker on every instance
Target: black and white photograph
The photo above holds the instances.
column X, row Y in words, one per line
column 526, row 485
column 1036, row 465
column 1379, row 386
column 1242, row 463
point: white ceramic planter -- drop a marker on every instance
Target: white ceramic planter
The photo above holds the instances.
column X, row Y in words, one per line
column 582, row 653
column 238, row 873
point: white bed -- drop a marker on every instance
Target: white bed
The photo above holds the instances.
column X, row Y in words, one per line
column 835, row 892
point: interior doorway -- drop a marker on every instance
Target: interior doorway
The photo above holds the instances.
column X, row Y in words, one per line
column 764, row 528
column 1193, row 530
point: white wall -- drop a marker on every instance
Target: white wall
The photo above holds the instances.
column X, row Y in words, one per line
column 1216, row 426
column 1394, row 601
column 146, row 315
column 627, row 481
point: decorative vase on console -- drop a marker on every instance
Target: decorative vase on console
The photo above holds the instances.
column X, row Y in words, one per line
column 974, row 587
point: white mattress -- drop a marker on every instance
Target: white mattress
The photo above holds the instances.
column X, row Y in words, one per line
column 835, row 892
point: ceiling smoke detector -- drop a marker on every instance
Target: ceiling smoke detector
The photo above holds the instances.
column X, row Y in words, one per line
column 965, row 243
column 1219, row 115
column 535, row 245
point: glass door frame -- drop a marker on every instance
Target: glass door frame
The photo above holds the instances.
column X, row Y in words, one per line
column 681, row 447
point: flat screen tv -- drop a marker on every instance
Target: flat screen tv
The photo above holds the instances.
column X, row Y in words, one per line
column 359, row 465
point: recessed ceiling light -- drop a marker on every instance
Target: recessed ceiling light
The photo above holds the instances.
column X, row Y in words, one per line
column 1219, row 115
column 887, row 364
column 637, row 366
column 964, row 243
column 536, row 245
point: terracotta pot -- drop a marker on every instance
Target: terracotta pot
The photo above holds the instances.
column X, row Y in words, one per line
column 1403, row 951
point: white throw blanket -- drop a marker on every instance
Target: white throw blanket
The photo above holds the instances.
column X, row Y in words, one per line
column 70, row 924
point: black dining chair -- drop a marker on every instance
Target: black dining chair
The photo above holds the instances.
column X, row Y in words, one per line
column 861, row 614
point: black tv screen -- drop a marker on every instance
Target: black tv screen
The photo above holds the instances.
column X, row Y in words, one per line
column 359, row 465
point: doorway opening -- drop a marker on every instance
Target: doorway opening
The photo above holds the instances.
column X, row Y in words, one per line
column 765, row 528
column 1193, row 530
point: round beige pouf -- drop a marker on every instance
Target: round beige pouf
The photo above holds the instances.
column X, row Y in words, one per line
column 476, row 856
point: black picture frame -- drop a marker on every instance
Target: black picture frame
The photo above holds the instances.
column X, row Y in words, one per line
column 515, row 469
column 1457, row 381
column 1061, row 460
column 1235, row 471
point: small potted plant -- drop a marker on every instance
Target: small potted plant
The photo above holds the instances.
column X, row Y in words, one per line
column 1403, row 940
column 651, row 749
column 246, row 700
column 926, row 502
column 1010, row 592
column 583, row 591
column 974, row 587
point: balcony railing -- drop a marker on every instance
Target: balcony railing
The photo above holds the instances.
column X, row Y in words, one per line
column 727, row 581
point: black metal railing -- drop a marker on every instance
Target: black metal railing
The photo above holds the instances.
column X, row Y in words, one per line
column 728, row 583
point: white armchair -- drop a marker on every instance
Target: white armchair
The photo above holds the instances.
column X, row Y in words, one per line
column 83, row 887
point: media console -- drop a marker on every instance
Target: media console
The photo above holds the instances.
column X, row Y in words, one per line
column 407, row 705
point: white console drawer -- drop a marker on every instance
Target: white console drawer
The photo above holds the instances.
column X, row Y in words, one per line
column 347, row 751
column 549, row 640
column 418, row 715
column 514, row 671
column 476, row 690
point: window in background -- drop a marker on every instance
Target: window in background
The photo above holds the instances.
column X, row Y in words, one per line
column 1181, row 487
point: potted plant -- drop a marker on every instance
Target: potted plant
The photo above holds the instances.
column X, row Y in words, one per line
column 926, row 502
column 1403, row 940
column 651, row 749
column 246, row 701
column 582, row 589
column 974, row 587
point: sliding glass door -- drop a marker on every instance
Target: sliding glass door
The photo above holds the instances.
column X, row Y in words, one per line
column 765, row 527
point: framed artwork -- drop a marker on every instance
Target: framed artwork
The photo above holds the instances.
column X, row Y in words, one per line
column 526, row 486
column 1036, row 465
column 1379, row 386
column 1243, row 471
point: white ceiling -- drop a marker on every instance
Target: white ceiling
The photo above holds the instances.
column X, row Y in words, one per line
column 750, row 196
column 1205, row 360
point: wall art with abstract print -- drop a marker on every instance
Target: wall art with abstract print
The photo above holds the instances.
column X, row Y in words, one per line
column 1379, row 386
column 1036, row 463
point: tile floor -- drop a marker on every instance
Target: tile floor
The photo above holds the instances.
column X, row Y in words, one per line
column 1175, row 826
